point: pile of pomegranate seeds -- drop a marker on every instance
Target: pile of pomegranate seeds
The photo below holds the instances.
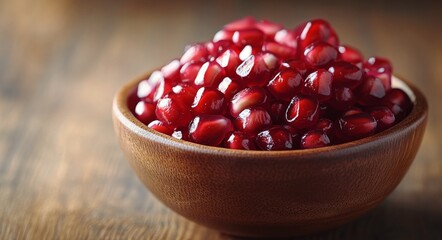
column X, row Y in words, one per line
column 260, row 86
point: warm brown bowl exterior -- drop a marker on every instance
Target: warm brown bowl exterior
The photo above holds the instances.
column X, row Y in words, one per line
column 278, row 193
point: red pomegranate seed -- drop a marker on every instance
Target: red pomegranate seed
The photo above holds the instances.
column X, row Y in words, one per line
column 161, row 127
column 316, row 31
column 208, row 100
column 253, row 120
column 186, row 92
column 229, row 60
column 171, row 71
column 285, row 84
column 281, row 51
column 240, row 140
column 247, row 51
column 298, row 65
column 356, row 126
column 145, row 111
column 377, row 64
column 315, row 139
column 172, row 110
column 320, row 54
column 209, row 129
column 350, row 54
column 324, row 124
column 241, row 24
column 257, row 69
column 398, row 102
column 162, row 89
column 210, row 74
column 384, row 117
column 346, row 74
column 302, row 112
column 147, row 88
column 343, row 99
column 286, row 37
column 246, row 98
column 319, row 84
column 275, row 138
column 277, row 112
column 371, row 91
column 189, row 71
column 269, row 28
column 352, row 111
column 195, row 53
column 216, row 48
column 222, row 35
column 252, row 36
column 229, row 88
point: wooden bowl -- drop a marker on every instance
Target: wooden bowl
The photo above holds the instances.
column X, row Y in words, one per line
column 277, row 193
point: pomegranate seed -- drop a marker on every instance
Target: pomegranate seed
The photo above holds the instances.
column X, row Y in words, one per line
column 253, row 120
column 319, row 84
column 161, row 127
column 171, row 71
column 371, row 91
column 285, row 84
column 302, row 112
column 316, row 31
column 246, row 52
column 281, row 51
column 252, row 36
column 186, row 92
column 286, row 37
column 209, row 129
column 383, row 116
column 377, row 64
column 350, row 54
column 229, row 60
column 320, row 53
column 210, row 74
column 145, row 111
column 352, row 111
column 269, row 28
column 241, row 24
column 240, row 140
column 208, row 100
column 222, row 35
column 356, row 126
column 399, row 103
column 298, row 65
column 275, row 138
column 324, row 124
column 147, row 88
column 314, row 139
column 343, row 99
column 257, row 69
column 189, row 71
column 173, row 111
column 229, row 88
column 195, row 53
column 216, row 48
column 162, row 89
column 277, row 111
column 246, row 98
column 346, row 74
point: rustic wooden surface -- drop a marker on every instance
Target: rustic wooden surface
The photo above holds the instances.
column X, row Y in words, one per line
column 62, row 174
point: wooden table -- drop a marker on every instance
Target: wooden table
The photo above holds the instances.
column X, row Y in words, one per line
column 62, row 174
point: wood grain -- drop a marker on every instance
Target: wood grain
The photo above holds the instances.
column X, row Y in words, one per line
column 62, row 174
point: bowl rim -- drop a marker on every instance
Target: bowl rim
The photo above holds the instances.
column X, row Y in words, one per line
column 122, row 113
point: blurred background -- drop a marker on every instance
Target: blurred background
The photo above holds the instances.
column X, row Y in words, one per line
column 62, row 174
